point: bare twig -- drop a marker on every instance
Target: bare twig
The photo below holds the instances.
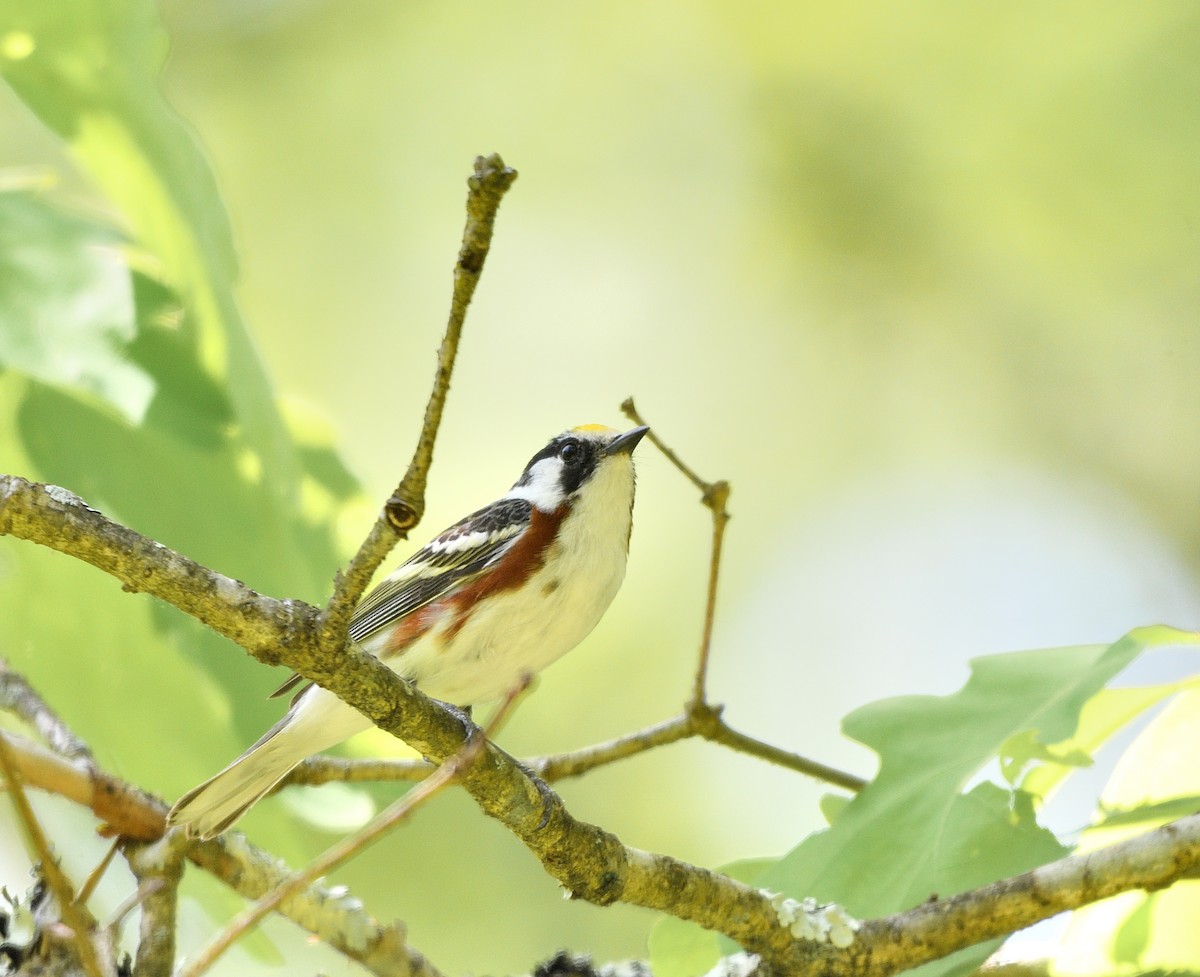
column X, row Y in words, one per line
column 322, row 769
column 715, row 496
column 559, row 766
column 18, row 697
column 126, row 811
column 486, row 188
column 96, row 874
column 721, row 732
column 76, row 916
column 332, row 915
column 574, row 763
column 631, row 411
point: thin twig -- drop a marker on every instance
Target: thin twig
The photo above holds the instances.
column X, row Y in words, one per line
column 631, row 412
column 715, row 496
column 76, row 916
column 322, row 769
column 559, row 766
column 126, row 811
column 727, row 736
column 574, row 763
column 96, row 874
column 117, row 917
column 486, row 188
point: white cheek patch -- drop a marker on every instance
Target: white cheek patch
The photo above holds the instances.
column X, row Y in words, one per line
column 543, row 487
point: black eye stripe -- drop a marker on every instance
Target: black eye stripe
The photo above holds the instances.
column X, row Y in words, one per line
column 578, row 464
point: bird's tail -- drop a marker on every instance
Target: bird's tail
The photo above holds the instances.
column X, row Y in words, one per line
column 317, row 721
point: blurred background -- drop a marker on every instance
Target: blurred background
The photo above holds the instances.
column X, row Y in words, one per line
column 920, row 280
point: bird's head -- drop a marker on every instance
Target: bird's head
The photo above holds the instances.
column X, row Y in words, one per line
column 582, row 462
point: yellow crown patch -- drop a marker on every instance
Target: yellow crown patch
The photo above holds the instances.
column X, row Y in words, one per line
column 593, row 429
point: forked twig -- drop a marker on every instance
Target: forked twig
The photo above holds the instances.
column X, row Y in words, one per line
column 714, row 495
column 699, row 717
column 403, row 510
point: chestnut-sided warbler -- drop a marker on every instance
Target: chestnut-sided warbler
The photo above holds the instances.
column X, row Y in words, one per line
column 503, row 592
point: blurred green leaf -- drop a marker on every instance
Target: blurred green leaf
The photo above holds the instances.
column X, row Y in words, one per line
column 1149, row 815
column 1105, row 713
column 89, row 69
column 832, row 806
column 188, row 403
column 67, row 309
column 147, row 397
column 1156, row 780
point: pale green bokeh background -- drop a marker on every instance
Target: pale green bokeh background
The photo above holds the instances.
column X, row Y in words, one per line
column 920, row 280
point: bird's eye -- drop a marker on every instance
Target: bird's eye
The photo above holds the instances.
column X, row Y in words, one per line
column 570, row 452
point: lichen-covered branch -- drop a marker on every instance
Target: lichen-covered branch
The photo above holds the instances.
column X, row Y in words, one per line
column 333, row 916
column 937, row 928
column 591, row 863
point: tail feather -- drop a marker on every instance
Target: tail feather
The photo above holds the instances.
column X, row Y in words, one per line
column 317, row 721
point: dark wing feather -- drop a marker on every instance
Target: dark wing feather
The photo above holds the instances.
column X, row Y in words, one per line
column 436, row 568
column 441, row 565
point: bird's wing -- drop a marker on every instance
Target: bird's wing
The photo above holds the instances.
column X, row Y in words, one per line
column 454, row 558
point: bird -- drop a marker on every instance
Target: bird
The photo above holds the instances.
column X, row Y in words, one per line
column 501, row 594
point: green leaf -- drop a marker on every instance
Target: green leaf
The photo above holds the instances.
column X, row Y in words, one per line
column 1148, row 815
column 912, row 832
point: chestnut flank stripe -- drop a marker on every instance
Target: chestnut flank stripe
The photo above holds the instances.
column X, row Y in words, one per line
column 524, row 558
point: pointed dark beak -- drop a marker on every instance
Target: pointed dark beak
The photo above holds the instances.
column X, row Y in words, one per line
column 625, row 443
